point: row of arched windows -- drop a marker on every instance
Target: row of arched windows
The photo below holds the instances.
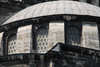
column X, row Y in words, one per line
column 41, row 37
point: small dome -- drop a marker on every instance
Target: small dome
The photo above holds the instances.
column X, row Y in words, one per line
column 55, row 8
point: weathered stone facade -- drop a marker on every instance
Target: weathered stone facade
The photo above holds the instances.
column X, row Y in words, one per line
column 56, row 33
column 80, row 57
column 90, row 35
column 1, row 43
column 51, row 34
column 24, row 39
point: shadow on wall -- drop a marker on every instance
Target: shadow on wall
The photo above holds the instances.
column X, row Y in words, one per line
column 61, row 55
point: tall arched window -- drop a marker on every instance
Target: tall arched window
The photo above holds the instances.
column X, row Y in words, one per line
column 12, row 44
column 73, row 36
column 42, row 40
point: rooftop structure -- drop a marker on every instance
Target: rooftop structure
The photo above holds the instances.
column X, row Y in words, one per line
column 51, row 34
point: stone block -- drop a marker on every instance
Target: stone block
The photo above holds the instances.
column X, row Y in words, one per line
column 90, row 35
column 1, row 43
column 56, row 32
column 24, row 39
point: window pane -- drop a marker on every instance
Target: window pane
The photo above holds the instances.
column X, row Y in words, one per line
column 12, row 44
column 42, row 40
column 73, row 36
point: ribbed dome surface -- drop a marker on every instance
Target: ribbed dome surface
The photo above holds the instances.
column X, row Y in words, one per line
column 54, row 8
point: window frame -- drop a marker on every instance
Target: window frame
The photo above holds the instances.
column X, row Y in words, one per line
column 35, row 28
column 78, row 26
column 79, row 35
column 6, row 36
column 36, row 37
column 8, row 41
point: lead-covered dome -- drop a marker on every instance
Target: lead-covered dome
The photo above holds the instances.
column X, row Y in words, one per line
column 55, row 8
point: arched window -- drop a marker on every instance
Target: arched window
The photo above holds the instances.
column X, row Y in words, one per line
column 41, row 40
column 73, row 36
column 12, row 44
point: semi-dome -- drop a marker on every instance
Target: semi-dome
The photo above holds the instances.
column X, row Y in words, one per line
column 55, row 8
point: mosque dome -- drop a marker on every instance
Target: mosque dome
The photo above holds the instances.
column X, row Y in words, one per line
column 56, row 8
column 52, row 34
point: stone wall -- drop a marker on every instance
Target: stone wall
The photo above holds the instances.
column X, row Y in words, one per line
column 73, row 59
column 15, row 63
column 56, row 32
column 25, row 63
column 24, row 39
column 90, row 35
column 1, row 43
column 95, row 2
column 7, row 12
column 70, row 57
column 82, row 0
column 23, row 60
column 4, row 14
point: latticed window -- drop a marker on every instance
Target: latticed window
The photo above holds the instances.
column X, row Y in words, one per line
column 12, row 44
column 42, row 40
column 73, row 37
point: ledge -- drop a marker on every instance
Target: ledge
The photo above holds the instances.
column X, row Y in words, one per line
column 45, row 19
column 55, row 52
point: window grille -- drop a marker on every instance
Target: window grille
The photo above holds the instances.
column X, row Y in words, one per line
column 73, row 37
column 42, row 40
column 12, row 44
